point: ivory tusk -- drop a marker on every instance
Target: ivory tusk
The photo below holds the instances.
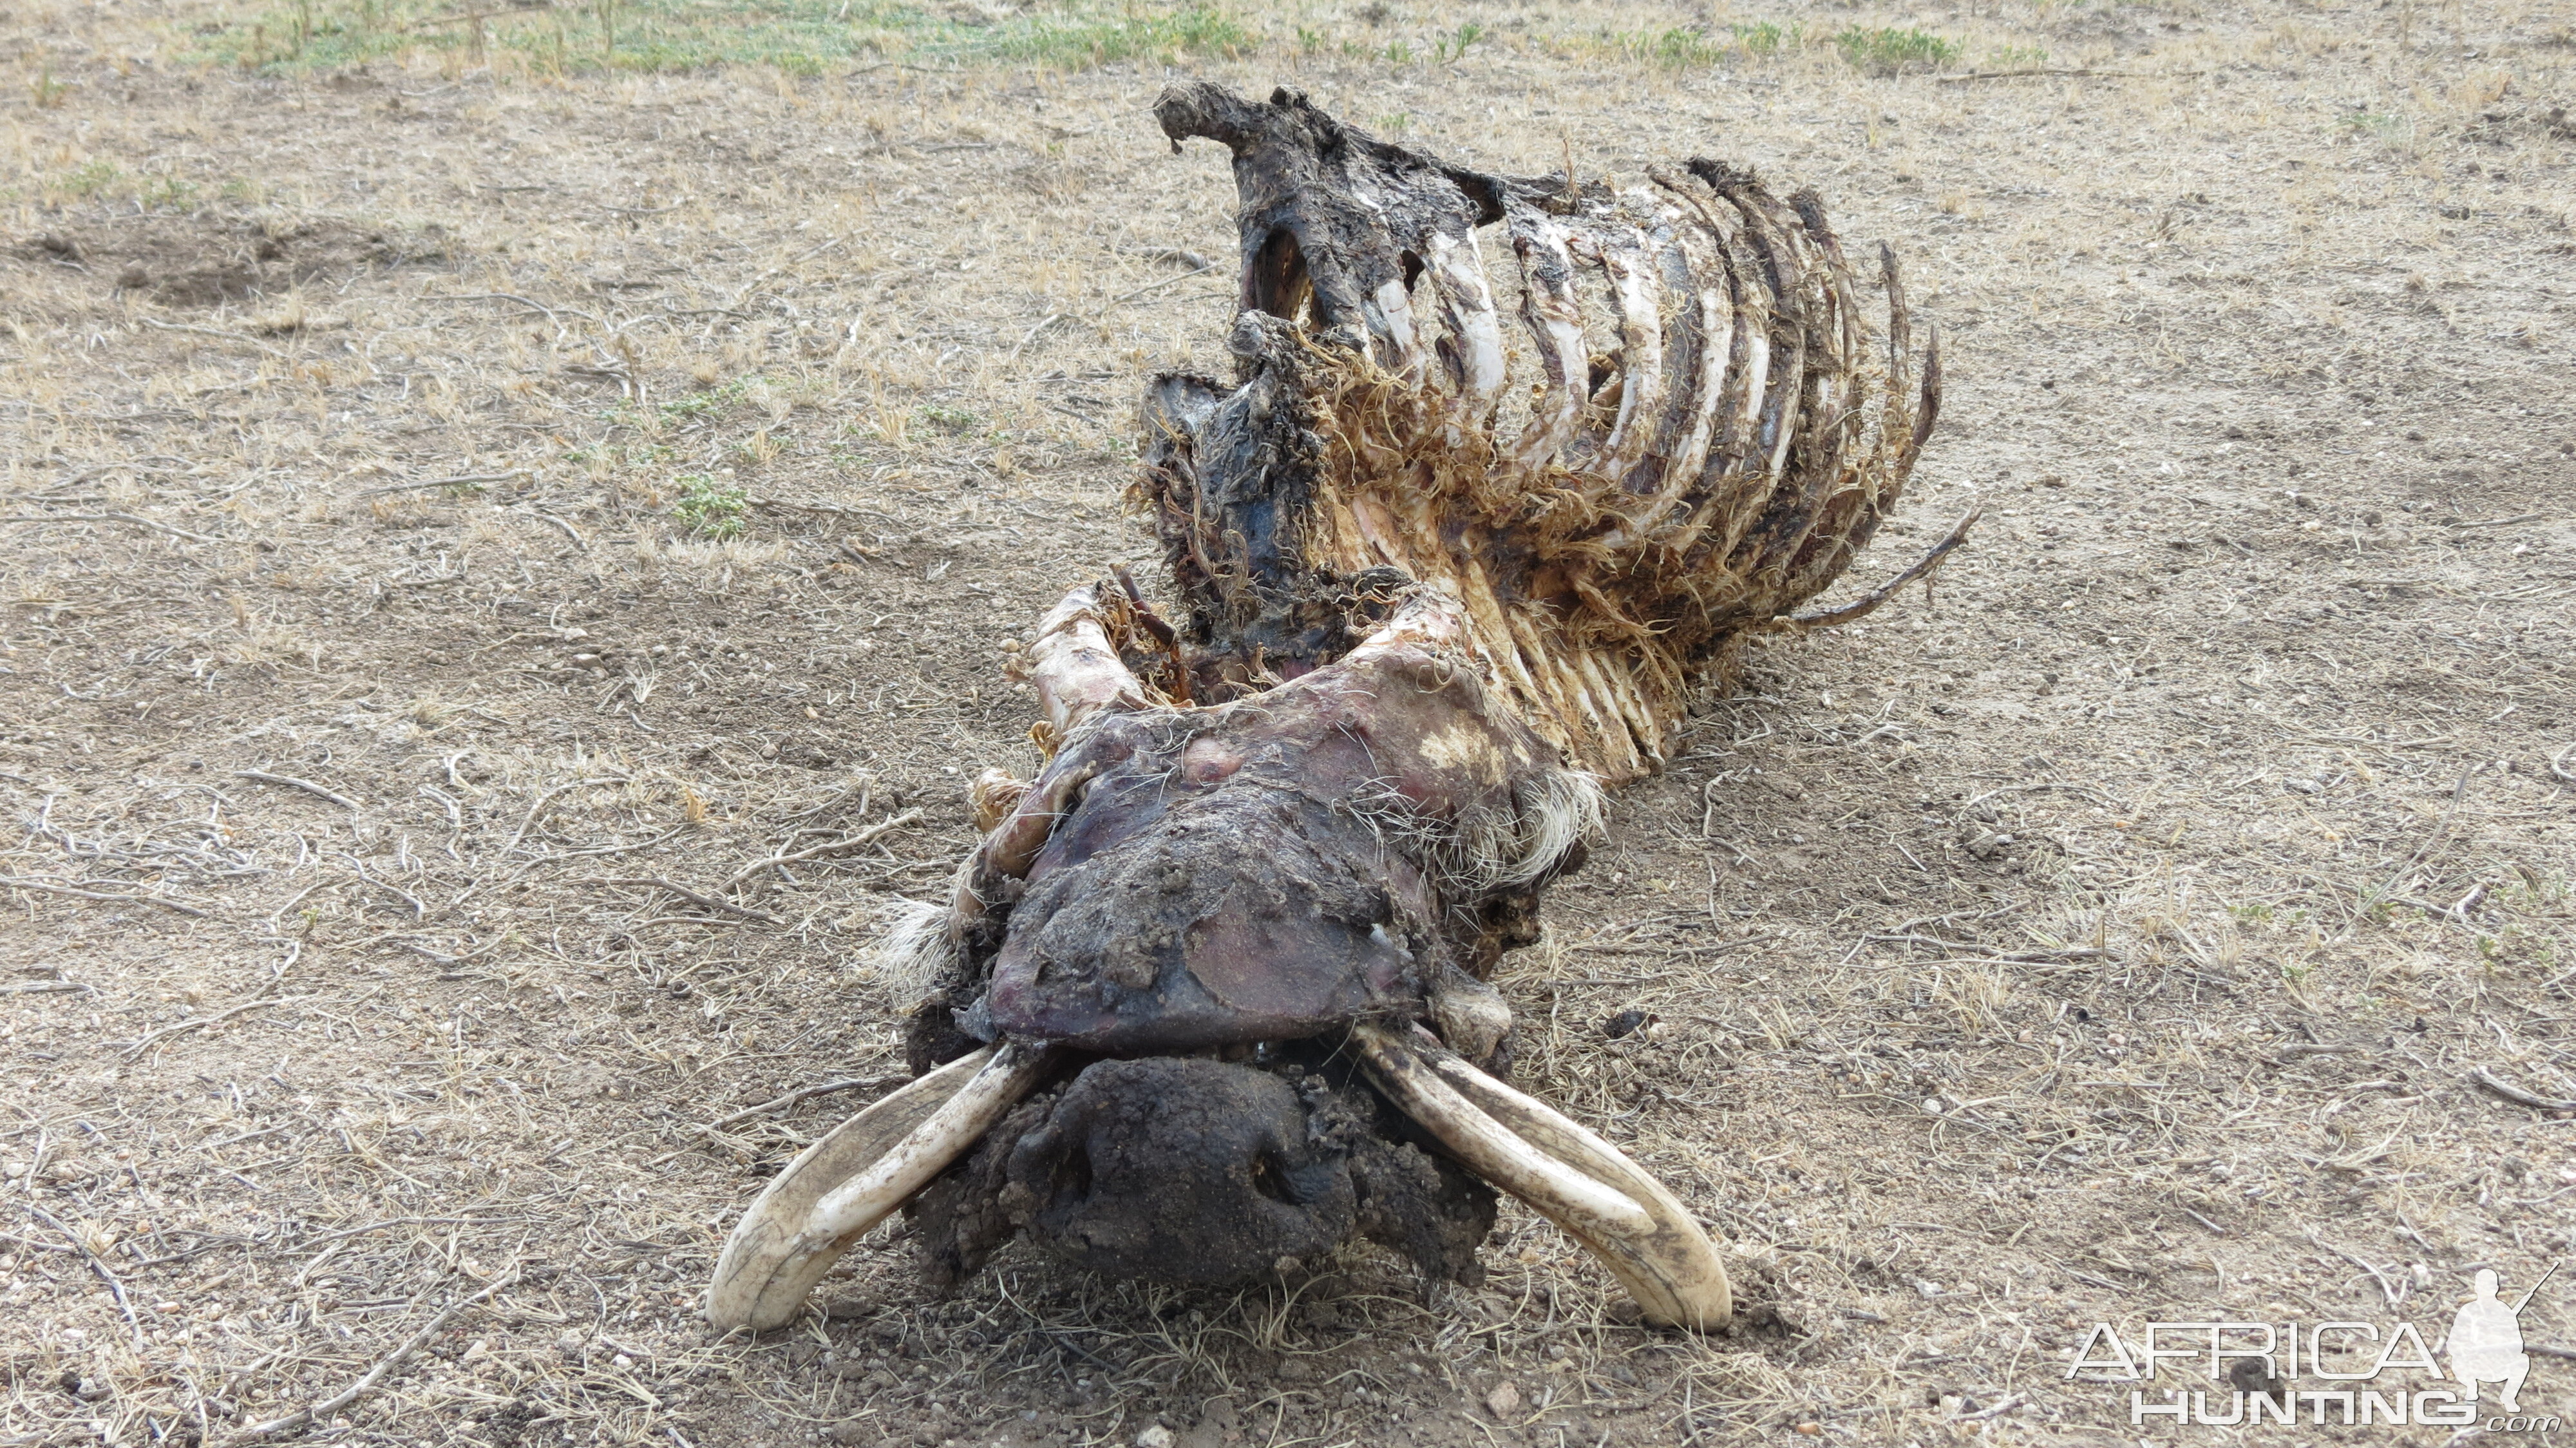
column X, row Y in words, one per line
column 1493, row 1150
column 1627, row 1219
column 855, row 1177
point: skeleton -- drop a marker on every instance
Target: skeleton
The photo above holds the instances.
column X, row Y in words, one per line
column 1209, row 997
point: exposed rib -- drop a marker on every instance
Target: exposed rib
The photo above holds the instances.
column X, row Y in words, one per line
column 1555, row 320
column 1641, row 351
column 1473, row 350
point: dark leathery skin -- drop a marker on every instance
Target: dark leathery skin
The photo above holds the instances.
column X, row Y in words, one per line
column 1183, row 1170
column 1212, row 883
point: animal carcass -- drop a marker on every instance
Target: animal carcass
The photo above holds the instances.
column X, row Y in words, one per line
column 1209, row 998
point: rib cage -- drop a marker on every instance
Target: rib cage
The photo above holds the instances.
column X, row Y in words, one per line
column 1709, row 441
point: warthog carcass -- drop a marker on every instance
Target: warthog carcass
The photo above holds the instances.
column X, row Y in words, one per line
column 1209, row 997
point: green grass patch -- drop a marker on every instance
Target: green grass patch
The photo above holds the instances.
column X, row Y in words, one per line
column 711, row 509
column 798, row 36
column 1688, row 47
column 955, row 421
column 1892, row 52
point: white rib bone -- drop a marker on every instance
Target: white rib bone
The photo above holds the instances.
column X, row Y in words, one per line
column 1708, row 388
column 857, row 1176
column 1389, row 312
column 1638, row 1230
column 1641, row 352
column 1555, row 320
column 1478, row 368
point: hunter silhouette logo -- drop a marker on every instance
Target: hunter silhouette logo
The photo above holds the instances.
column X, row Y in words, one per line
column 2486, row 1340
column 2365, row 1372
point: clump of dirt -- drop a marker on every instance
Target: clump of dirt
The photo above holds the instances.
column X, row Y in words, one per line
column 208, row 258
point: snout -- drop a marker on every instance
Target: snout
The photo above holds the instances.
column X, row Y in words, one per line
column 1185, row 1170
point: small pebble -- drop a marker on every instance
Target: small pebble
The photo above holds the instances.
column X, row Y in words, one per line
column 1503, row 1401
column 1156, row 1436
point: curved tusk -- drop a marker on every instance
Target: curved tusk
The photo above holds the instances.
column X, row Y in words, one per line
column 1638, row 1229
column 855, row 1177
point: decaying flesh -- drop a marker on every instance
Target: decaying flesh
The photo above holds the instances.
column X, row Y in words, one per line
column 1209, row 998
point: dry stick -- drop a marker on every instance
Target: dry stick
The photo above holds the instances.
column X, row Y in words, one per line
column 548, row 798
column 291, row 782
column 829, row 847
column 2440, row 833
column 400, row 1222
column 109, row 518
column 365, row 1385
column 522, row 301
column 2386, row 1288
column 1869, row 602
column 2510, row 1092
column 114, row 1287
column 464, row 481
column 803, row 1093
column 1051, row 319
column 708, row 902
column 1158, row 286
column 165, row 902
column 2558, row 764
column 42, row 987
column 2026, row 74
column 145, row 1044
column 212, row 332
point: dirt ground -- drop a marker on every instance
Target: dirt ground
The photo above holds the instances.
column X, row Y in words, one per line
column 462, row 520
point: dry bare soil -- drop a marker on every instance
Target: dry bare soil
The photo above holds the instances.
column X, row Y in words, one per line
column 465, row 512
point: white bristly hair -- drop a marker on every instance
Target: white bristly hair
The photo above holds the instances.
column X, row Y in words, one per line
column 916, row 950
column 1487, row 850
column 1555, row 811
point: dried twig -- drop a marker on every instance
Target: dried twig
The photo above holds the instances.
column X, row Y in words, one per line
column 109, row 518
column 42, row 987
column 163, row 1034
column 805, row 1093
column 2558, row 764
column 12, row 882
column 1868, row 602
column 547, row 798
column 217, row 332
column 2510, row 1092
column 840, row 846
column 1051, row 319
column 2387, row 1289
column 291, row 782
column 706, row 902
column 115, row 1288
column 1966, row 76
column 367, row 1384
column 1158, row 286
column 466, row 480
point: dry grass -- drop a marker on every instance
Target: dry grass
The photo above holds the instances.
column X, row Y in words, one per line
column 2108, row 935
